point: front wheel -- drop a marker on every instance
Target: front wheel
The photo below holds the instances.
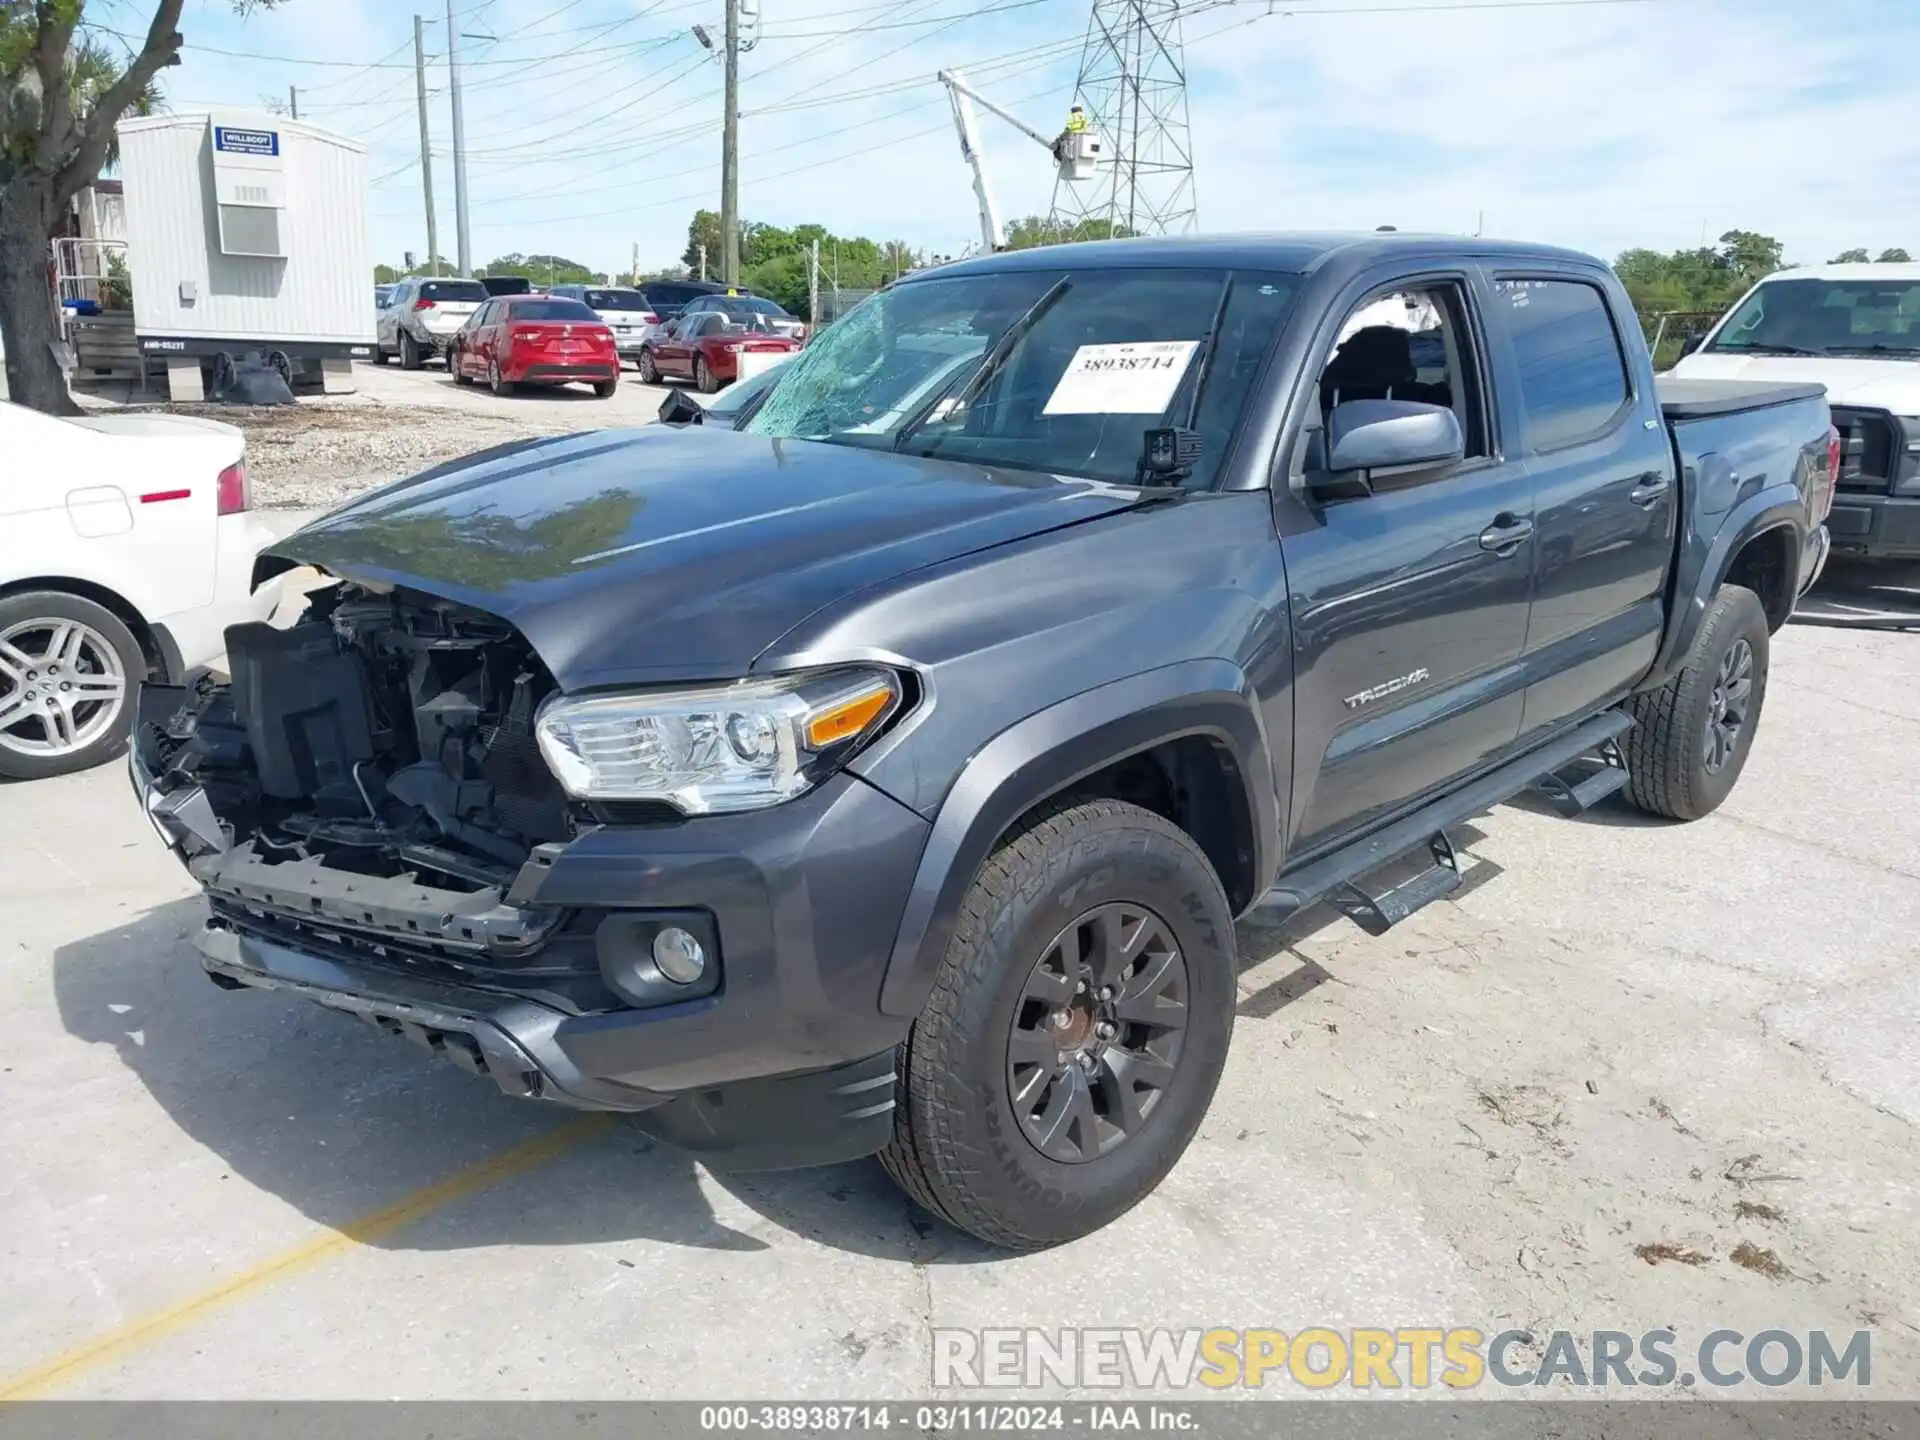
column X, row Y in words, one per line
column 649, row 372
column 380, row 356
column 1691, row 737
column 68, row 672
column 1077, row 1028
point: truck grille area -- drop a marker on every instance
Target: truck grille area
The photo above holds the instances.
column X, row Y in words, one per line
column 1868, row 445
column 564, row 976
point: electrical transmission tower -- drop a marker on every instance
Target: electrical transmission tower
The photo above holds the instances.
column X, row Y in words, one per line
column 1133, row 84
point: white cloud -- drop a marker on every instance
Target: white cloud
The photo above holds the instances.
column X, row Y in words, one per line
column 1600, row 125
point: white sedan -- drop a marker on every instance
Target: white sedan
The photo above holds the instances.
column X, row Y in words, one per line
column 126, row 548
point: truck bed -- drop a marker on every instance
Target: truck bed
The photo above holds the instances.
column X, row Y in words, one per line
column 1703, row 399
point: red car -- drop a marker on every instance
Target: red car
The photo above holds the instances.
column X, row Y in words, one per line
column 515, row 340
column 705, row 347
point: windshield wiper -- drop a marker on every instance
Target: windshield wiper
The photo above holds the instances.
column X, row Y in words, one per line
column 990, row 363
column 1772, row 350
column 1171, row 454
column 1911, row 352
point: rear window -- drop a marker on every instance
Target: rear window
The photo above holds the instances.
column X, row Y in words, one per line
column 671, row 293
column 751, row 307
column 616, row 300
column 458, row 290
column 550, row 309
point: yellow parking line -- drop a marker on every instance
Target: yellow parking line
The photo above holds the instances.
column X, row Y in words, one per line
column 363, row 1231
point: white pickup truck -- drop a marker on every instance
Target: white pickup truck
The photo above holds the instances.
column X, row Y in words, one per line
column 126, row 549
column 1856, row 330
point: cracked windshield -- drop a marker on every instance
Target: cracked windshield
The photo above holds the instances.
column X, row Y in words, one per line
column 1048, row 370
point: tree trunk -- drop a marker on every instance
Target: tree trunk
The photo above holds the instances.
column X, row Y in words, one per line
column 26, row 304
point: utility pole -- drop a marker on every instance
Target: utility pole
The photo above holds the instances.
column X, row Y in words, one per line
column 633, row 271
column 730, row 154
column 465, row 251
column 426, row 156
column 293, row 102
column 703, row 262
column 813, row 285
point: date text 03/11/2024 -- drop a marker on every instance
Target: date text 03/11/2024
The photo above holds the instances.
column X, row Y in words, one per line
column 945, row 1418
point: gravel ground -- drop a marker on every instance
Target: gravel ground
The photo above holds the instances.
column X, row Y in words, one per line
column 314, row 455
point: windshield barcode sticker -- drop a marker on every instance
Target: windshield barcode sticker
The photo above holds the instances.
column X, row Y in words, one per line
column 1136, row 378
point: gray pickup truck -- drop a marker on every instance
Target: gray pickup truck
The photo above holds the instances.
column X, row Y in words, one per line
column 882, row 766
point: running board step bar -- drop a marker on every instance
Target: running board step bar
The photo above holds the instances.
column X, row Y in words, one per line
column 1333, row 877
column 1582, row 785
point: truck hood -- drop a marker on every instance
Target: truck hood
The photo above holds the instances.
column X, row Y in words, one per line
column 1873, row 384
column 662, row 553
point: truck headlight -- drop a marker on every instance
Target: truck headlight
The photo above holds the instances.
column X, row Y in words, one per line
column 716, row 748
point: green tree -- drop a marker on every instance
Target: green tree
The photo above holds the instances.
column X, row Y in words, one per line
column 1036, row 230
column 544, row 269
column 703, row 232
column 1849, row 257
column 1892, row 257
column 1751, row 256
column 61, row 94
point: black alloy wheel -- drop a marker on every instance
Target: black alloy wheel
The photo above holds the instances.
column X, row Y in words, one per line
column 1098, row 1033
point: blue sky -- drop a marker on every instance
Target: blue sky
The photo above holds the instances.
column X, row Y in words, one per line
column 594, row 126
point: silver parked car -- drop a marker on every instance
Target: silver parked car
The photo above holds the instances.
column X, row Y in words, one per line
column 421, row 317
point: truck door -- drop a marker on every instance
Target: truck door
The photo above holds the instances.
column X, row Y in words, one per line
column 1409, row 599
column 1605, row 497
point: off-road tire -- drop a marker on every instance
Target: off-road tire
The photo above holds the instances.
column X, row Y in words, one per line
column 59, row 605
column 1665, row 751
column 409, row 352
column 958, row 1148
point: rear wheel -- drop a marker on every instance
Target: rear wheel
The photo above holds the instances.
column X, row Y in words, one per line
column 605, row 388
column 496, row 382
column 1076, row 1030
column 409, row 352
column 1691, row 737
column 703, row 376
column 68, row 668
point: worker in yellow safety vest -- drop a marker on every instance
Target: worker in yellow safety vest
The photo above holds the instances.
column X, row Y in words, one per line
column 1076, row 120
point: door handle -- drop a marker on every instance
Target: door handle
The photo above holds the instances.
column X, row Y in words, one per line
column 1649, row 488
column 1506, row 533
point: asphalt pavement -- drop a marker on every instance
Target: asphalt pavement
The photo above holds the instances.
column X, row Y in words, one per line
column 1634, row 1075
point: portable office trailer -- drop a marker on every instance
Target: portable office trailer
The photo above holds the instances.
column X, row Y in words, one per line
column 246, row 233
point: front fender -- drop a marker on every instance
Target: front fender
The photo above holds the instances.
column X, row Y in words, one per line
column 1705, row 559
column 1046, row 754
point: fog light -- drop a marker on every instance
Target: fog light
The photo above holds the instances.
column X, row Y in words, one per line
column 680, row 957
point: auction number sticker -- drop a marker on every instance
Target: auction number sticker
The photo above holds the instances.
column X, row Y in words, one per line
column 1135, row 378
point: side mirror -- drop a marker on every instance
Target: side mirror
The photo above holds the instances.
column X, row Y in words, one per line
column 680, row 408
column 1380, row 444
column 1692, row 343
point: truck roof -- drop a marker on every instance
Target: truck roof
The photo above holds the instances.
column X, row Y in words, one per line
column 1285, row 250
column 1852, row 270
